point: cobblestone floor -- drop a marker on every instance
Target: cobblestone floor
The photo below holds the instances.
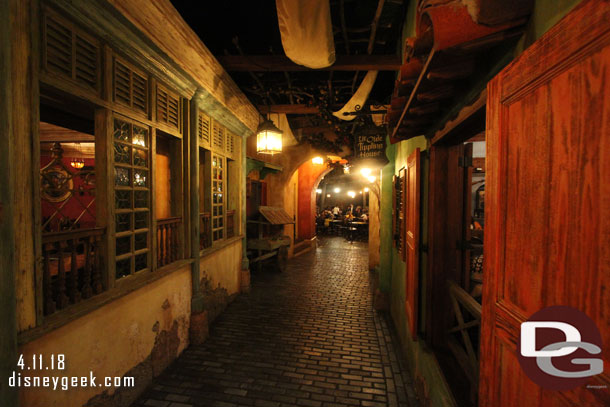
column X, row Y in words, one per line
column 305, row 337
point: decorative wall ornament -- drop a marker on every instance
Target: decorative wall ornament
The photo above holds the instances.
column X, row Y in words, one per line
column 55, row 178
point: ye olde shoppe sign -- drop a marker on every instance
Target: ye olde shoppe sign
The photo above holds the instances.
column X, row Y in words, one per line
column 370, row 147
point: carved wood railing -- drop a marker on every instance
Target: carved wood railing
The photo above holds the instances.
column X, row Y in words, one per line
column 168, row 240
column 205, row 231
column 466, row 347
column 71, row 267
column 231, row 223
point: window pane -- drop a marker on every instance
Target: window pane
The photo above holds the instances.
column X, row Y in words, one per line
column 122, row 153
column 141, row 261
column 141, row 241
column 123, row 268
column 121, row 176
column 141, row 199
column 121, row 130
column 140, row 136
column 140, row 158
column 122, row 199
column 123, row 245
column 123, row 222
column 141, row 220
column 140, row 178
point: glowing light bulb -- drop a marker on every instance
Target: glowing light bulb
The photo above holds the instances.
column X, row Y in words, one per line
column 317, row 160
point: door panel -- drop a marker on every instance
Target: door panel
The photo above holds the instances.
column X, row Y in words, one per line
column 412, row 222
column 547, row 238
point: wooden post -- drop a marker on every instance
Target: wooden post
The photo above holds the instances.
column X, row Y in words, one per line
column 8, row 270
column 193, row 140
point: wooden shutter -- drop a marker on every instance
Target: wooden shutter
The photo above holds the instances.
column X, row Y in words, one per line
column 412, row 238
column 218, row 137
column 203, row 129
column 130, row 86
column 168, row 107
column 70, row 53
column 229, row 144
column 547, row 201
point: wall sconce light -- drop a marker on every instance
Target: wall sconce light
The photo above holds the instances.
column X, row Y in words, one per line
column 328, row 195
column 351, row 194
column 318, row 191
column 337, row 190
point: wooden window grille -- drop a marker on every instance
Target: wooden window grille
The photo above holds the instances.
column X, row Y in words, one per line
column 219, row 196
column 132, row 197
column 168, row 107
column 130, row 86
column 70, row 53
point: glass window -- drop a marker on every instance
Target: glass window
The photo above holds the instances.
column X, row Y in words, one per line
column 132, row 189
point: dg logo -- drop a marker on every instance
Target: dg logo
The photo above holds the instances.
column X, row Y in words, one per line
column 560, row 348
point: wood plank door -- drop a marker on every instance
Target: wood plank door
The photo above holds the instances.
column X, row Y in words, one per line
column 412, row 222
column 547, row 210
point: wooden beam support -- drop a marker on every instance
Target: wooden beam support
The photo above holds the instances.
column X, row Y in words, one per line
column 278, row 63
column 289, row 109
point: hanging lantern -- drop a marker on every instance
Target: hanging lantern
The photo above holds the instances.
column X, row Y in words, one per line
column 268, row 138
column 77, row 163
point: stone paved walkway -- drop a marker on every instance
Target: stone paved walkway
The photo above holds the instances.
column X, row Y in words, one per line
column 305, row 337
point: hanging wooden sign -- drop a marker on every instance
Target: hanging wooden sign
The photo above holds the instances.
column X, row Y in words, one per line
column 370, row 147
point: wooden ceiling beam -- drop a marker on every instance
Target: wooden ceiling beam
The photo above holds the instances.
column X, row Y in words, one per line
column 278, row 63
column 288, row 109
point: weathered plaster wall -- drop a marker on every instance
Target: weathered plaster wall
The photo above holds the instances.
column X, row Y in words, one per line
column 222, row 268
column 146, row 328
column 309, row 177
column 546, row 13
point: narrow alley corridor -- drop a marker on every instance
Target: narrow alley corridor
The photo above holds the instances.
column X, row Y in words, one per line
column 305, row 337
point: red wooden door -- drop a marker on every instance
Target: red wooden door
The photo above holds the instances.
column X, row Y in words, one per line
column 547, row 210
column 412, row 195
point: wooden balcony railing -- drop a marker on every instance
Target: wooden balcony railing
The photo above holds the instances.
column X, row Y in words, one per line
column 205, row 231
column 168, row 240
column 463, row 339
column 231, row 223
column 71, row 267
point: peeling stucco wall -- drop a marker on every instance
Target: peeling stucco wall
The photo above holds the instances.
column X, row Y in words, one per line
column 222, row 268
column 140, row 333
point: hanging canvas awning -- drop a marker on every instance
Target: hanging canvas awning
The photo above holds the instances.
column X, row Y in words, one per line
column 307, row 32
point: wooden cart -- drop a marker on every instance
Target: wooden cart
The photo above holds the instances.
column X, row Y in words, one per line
column 268, row 242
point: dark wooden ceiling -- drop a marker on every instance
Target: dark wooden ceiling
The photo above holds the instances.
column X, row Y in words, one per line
column 245, row 37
